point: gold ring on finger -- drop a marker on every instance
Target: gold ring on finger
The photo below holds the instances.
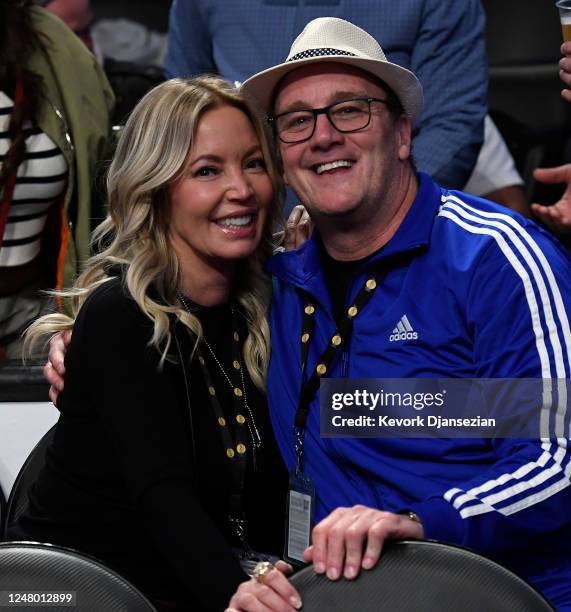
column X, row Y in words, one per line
column 262, row 569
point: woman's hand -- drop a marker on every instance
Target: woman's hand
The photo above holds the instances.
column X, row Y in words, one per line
column 298, row 228
column 54, row 370
column 339, row 539
column 274, row 594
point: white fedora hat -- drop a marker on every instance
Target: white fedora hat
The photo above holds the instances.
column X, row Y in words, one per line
column 329, row 39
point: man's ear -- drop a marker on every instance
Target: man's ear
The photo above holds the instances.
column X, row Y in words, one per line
column 403, row 130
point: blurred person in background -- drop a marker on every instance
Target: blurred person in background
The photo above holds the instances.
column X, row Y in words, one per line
column 442, row 42
column 495, row 176
column 558, row 216
column 54, row 125
column 78, row 16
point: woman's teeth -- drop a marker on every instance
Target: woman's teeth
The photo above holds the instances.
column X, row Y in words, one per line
column 236, row 221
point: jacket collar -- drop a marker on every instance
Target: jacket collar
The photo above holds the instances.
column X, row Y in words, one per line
column 302, row 267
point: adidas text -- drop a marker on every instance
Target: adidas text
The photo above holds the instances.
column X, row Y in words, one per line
column 403, row 336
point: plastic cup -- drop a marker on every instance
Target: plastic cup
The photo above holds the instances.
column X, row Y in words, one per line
column 564, row 7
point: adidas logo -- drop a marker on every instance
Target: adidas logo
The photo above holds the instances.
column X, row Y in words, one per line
column 403, row 331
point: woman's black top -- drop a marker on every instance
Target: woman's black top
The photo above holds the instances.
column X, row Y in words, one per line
column 120, row 480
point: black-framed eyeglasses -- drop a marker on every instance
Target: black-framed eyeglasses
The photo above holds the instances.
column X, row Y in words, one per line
column 346, row 116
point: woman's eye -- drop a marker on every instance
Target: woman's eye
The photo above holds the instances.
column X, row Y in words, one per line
column 257, row 164
column 206, row 171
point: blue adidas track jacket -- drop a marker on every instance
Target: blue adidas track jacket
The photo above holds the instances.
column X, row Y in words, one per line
column 485, row 293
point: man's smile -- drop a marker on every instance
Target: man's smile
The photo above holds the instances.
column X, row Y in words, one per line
column 333, row 165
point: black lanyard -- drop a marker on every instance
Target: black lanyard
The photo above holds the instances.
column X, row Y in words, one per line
column 234, row 434
column 339, row 339
column 236, row 442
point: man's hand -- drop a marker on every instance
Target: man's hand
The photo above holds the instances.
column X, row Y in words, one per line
column 557, row 217
column 54, row 370
column 565, row 69
column 276, row 594
column 338, row 540
column 298, row 228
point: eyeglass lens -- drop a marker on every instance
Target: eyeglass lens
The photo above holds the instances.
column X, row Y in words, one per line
column 347, row 116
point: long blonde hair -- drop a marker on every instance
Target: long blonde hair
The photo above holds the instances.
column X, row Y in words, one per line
column 151, row 154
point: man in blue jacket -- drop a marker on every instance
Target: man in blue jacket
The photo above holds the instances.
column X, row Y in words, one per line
column 483, row 292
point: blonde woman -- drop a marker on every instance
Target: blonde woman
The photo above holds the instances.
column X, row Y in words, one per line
column 163, row 458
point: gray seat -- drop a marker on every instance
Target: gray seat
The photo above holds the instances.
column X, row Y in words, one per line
column 2, row 512
column 29, row 567
column 422, row 576
column 18, row 499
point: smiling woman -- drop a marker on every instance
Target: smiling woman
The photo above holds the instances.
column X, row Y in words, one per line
column 163, row 461
column 218, row 208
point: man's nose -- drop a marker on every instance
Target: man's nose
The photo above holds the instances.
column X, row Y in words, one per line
column 325, row 133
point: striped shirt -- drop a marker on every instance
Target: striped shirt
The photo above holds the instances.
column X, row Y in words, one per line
column 40, row 180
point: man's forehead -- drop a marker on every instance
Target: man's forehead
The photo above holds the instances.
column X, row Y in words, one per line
column 331, row 79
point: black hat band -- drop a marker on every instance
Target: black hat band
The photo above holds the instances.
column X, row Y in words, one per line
column 319, row 53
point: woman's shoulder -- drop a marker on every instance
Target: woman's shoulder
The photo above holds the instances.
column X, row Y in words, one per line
column 113, row 306
column 112, row 291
